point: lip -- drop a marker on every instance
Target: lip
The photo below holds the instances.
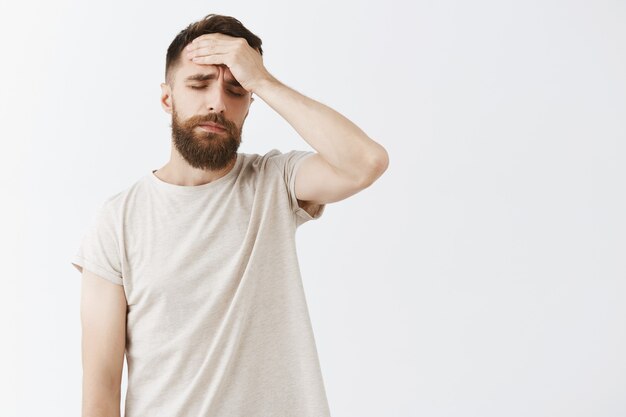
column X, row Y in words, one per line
column 212, row 127
column 212, row 124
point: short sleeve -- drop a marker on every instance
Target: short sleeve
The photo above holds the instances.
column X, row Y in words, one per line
column 99, row 249
column 288, row 164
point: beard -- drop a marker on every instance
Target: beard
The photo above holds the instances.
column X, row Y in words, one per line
column 203, row 149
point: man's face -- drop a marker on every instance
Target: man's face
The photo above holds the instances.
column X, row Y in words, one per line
column 206, row 94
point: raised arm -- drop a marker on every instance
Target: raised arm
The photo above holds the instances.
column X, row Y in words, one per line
column 347, row 159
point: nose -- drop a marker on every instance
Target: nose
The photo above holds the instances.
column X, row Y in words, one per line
column 216, row 97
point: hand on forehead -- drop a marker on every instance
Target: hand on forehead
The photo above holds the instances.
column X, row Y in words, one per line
column 232, row 56
column 220, row 68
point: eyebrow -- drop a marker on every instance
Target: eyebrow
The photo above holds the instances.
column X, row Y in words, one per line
column 212, row 76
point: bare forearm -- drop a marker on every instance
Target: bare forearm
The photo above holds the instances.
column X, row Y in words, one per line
column 100, row 403
column 339, row 141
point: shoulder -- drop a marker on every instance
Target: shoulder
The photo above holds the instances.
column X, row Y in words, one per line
column 255, row 164
column 114, row 205
column 286, row 162
column 260, row 161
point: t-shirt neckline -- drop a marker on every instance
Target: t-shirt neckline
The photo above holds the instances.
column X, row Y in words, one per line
column 195, row 189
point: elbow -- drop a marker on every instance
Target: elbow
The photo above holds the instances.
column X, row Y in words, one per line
column 382, row 161
column 378, row 164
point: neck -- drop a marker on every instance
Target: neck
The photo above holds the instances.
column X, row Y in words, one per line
column 178, row 172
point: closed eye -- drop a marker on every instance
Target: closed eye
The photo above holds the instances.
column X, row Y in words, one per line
column 204, row 86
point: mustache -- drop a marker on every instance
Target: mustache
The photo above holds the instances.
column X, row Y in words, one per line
column 213, row 118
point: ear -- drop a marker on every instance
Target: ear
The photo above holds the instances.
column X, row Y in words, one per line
column 247, row 112
column 166, row 98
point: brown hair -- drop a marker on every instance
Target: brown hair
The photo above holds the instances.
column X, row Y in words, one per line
column 211, row 23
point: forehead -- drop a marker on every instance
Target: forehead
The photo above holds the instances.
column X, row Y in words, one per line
column 189, row 69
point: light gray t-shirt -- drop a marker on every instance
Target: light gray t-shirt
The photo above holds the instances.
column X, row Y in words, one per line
column 217, row 321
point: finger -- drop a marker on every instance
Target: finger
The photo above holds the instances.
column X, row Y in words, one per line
column 201, row 37
column 205, row 50
column 215, row 36
column 208, row 39
column 209, row 50
column 201, row 41
column 197, row 44
column 213, row 59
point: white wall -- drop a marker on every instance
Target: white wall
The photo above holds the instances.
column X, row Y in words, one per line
column 482, row 275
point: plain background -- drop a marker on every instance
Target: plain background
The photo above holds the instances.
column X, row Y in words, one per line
column 482, row 275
